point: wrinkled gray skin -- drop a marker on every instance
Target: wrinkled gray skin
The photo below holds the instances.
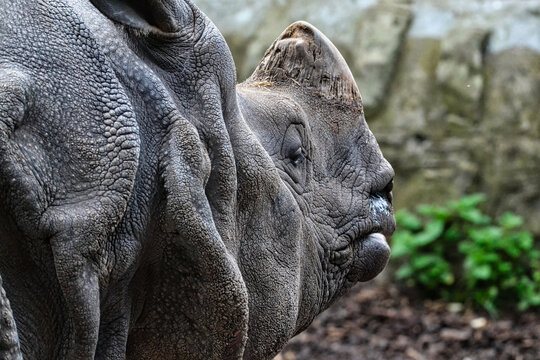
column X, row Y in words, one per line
column 152, row 209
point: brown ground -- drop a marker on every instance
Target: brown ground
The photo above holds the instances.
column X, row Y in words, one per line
column 379, row 322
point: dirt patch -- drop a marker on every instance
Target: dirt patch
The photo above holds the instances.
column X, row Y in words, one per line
column 376, row 321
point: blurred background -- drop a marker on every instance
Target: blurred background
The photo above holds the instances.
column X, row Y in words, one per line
column 451, row 90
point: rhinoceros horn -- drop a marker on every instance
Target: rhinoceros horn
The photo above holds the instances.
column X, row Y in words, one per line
column 303, row 56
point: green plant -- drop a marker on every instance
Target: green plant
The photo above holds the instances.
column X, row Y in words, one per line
column 458, row 253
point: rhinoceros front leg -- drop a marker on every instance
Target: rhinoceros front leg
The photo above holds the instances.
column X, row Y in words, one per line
column 78, row 279
column 9, row 340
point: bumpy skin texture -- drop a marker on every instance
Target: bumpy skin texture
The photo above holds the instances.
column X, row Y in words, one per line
column 152, row 209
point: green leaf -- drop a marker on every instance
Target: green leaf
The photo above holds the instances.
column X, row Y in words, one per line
column 422, row 261
column 523, row 305
column 489, row 235
column 479, row 256
column 524, row 240
column 453, row 233
column 534, row 254
column 512, row 250
column 490, row 308
column 510, row 221
column 466, row 247
column 468, row 202
column 431, row 232
column 509, row 283
column 504, row 267
column 493, row 291
column 485, row 299
column 474, row 216
column 408, row 220
column 402, row 244
column 482, row 272
column 491, row 257
column 534, row 299
column 448, row 278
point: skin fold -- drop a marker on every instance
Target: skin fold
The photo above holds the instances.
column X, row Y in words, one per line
column 151, row 208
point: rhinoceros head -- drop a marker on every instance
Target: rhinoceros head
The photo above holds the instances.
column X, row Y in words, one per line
column 161, row 211
column 319, row 179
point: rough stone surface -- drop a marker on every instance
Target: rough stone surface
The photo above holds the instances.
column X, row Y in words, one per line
column 511, row 152
column 451, row 89
column 459, row 72
column 379, row 42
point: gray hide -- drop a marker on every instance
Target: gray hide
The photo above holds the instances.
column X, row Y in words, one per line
column 150, row 208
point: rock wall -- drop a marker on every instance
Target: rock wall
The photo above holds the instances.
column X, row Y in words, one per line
column 451, row 88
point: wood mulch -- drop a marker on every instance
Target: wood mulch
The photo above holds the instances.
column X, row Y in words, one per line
column 378, row 321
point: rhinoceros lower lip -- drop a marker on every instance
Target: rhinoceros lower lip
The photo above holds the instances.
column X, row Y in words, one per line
column 371, row 256
column 377, row 238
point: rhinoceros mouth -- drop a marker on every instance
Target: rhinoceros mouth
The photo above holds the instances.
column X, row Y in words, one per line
column 363, row 254
column 374, row 244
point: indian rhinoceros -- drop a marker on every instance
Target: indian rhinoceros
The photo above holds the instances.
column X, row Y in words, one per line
column 150, row 208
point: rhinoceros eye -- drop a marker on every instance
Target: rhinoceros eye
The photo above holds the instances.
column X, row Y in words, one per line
column 298, row 156
column 294, row 157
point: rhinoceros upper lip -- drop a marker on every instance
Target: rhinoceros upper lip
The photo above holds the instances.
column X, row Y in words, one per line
column 340, row 255
column 354, row 234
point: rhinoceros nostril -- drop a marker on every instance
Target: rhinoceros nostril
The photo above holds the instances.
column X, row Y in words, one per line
column 384, row 191
column 388, row 188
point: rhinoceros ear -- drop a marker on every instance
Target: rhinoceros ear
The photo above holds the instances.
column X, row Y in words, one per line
column 303, row 56
column 147, row 15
